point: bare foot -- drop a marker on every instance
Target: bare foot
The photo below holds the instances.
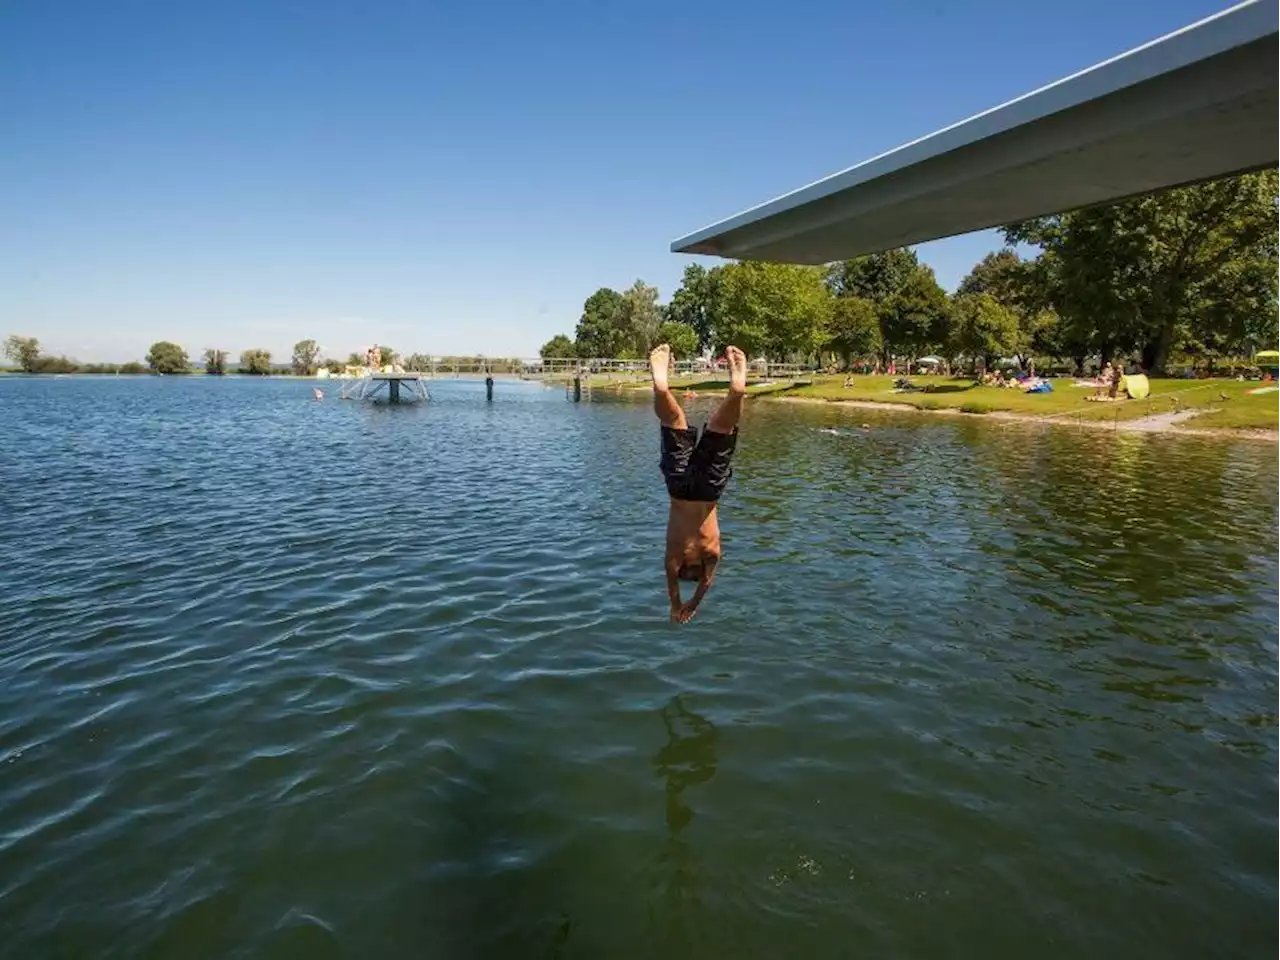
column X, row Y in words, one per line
column 737, row 370
column 659, row 366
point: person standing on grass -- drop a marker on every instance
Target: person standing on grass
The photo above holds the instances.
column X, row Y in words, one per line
column 696, row 469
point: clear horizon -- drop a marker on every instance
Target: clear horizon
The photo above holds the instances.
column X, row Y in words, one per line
column 252, row 175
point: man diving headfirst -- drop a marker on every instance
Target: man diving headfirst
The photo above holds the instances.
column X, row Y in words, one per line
column 696, row 469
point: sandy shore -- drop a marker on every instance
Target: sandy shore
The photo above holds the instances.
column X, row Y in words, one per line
column 1168, row 423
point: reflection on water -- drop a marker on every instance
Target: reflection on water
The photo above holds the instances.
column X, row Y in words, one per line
column 287, row 678
column 687, row 759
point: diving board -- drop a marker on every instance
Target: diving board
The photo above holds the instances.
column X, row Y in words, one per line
column 1196, row 104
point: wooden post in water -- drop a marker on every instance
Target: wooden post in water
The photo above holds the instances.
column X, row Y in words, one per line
column 488, row 388
column 394, row 395
column 577, row 384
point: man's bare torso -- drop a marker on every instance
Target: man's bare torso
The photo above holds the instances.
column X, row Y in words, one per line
column 693, row 533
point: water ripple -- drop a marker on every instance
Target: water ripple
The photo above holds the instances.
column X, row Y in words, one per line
column 286, row 678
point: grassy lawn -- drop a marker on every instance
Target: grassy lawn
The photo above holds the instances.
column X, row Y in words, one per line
column 1238, row 410
column 1241, row 411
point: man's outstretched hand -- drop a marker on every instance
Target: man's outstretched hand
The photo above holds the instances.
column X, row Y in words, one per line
column 683, row 613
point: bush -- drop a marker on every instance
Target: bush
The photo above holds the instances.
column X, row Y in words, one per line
column 255, row 362
column 54, row 365
column 974, row 407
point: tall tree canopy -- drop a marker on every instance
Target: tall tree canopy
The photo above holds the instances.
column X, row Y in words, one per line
column 998, row 274
column 914, row 319
column 911, row 310
column 775, row 309
column 24, row 351
column 1189, row 268
column 983, row 328
column 597, row 334
column 167, row 357
column 558, row 347
column 215, row 362
column 696, row 301
column 637, row 320
column 854, row 328
column 682, row 338
column 875, row 277
column 306, row 353
column 255, row 362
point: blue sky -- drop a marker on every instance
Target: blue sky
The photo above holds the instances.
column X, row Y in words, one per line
column 454, row 177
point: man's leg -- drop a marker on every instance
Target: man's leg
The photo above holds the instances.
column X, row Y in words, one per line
column 665, row 405
column 725, row 419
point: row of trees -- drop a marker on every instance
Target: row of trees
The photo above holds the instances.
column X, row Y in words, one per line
column 166, row 357
column 1190, row 272
column 25, row 352
column 163, row 357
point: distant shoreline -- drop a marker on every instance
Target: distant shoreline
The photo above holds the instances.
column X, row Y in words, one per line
column 1168, row 423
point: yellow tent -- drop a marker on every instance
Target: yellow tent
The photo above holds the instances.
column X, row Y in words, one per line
column 1136, row 385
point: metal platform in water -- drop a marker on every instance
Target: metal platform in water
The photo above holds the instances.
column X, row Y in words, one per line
column 375, row 385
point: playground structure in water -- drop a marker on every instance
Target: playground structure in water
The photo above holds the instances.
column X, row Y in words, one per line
column 372, row 385
column 389, row 380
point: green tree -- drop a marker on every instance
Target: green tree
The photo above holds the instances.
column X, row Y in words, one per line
column 597, row 332
column 305, row 355
column 166, row 357
column 1192, row 268
column 776, row 309
column 558, row 347
column 915, row 318
column 418, row 363
column 215, row 362
column 24, row 351
column 355, row 359
column 637, row 320
column 875, row 277
column 389, row 355
column 696, row 301
column 998, row 274
column 984, row 328
column 256, row 362
column 132, row 368
column 854, row 329
column 682, row 338
column 910, row 306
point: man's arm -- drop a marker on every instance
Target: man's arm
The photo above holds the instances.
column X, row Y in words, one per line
column 673, row 585
column 687, row 611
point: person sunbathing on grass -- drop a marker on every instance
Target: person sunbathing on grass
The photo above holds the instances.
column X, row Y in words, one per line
column 696, row 469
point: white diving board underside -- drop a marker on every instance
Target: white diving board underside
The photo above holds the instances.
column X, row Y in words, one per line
column 1197, row 104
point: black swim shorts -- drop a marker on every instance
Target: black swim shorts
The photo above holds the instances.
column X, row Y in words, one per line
column 697, row 468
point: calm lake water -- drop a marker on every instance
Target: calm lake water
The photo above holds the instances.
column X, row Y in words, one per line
column 291, row 679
